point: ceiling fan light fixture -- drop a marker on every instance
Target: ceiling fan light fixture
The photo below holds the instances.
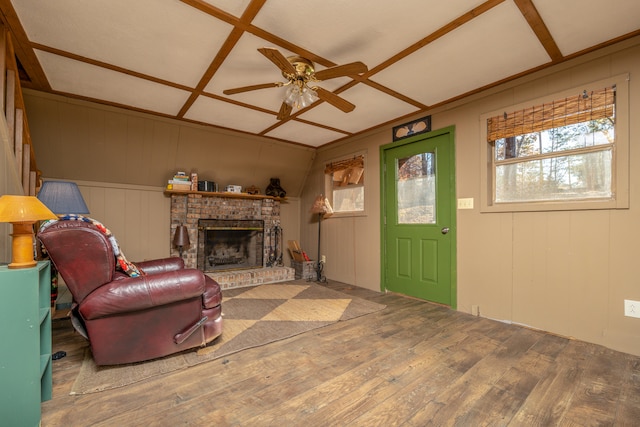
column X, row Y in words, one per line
column 300, row 73
column 309, row 96
column 291, row 94
column 300, row 96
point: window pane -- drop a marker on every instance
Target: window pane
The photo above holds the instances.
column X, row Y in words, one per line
column 579, row 176
column 580, row 135
column 348, row 199
column 416, row 189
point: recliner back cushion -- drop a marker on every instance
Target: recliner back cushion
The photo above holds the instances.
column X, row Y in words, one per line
column 82, row 254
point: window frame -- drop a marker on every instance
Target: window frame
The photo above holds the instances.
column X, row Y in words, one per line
column 619, row 167
column 328, row 185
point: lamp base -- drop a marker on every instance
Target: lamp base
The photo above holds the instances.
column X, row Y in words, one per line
column 22, row 264
column 22, row 246
column 319, row 272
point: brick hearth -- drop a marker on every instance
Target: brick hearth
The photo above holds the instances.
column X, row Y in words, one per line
column 188, row 208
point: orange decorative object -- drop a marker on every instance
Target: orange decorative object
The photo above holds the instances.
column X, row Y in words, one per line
column 23, row 212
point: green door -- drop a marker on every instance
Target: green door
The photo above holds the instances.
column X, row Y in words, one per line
column 418, row 217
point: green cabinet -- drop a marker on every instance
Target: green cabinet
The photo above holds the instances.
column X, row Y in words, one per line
column 25, row 333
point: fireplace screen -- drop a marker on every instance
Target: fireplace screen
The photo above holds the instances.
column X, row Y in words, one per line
column 230, row 244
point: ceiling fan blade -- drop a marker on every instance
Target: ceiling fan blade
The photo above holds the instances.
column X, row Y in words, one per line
column 341, row 70
column 285, row 111
column 334, row 99
column 279, row 59
column 248, row 88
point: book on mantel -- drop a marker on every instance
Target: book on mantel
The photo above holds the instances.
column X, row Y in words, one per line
column 180, row 181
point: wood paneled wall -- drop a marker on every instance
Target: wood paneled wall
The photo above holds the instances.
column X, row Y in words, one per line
column 78, row 140
column 138, row 216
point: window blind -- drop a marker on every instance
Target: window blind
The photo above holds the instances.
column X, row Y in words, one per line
column 346, row 172
column 355, row 162
column 598, row 104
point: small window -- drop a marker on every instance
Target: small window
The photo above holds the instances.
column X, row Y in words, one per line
column 560, row 152
column 345, row 184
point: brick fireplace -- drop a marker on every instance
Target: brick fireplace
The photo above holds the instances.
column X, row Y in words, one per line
column 192, row 208
column 230, row 244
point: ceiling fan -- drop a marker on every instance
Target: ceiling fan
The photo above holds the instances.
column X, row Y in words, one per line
column 300, row 73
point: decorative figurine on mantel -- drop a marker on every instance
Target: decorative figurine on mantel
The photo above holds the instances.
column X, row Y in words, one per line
column 252, row 189
column 274, row 189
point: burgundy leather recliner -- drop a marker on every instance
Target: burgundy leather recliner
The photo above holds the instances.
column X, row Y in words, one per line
column 166, row 309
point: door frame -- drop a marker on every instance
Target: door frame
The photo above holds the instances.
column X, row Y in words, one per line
column 450, row 131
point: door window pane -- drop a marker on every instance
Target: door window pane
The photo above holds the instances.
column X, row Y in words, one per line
column 416, row 189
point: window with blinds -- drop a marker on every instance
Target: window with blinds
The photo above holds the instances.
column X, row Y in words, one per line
column 559, row 150
column 345, row 184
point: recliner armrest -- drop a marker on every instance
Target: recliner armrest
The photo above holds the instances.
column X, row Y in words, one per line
column 160, row 265
column 139, row 293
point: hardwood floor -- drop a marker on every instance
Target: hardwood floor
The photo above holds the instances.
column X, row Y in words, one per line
column 413, row 363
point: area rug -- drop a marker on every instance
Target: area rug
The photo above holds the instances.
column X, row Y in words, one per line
column 253, row 316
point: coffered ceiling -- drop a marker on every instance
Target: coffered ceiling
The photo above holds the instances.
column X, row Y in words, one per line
column 174, row 58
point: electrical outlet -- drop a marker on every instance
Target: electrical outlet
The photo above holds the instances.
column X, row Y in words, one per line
column 475, row 310
column 323, row 259
column 632, row 308
column 465, row 203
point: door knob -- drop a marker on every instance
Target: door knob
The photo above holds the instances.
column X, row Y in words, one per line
column 445, row 230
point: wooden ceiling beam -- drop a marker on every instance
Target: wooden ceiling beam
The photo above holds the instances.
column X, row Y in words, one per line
column 530, row 13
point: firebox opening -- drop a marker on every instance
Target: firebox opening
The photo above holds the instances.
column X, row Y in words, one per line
column 230, row 244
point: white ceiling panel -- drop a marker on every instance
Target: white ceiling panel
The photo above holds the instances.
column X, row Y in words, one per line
column 372, row 107
column 86, row 80
column 305, row 134
column 497, row 44
column 137, row 35
column 221, row 113
column 346, row 31
column 578, row 24
column 170, row 54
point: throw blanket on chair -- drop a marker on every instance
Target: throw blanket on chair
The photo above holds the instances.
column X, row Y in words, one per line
column 121, row 261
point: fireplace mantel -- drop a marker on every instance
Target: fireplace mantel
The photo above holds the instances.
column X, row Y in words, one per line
column 188, row 207
column 224, row 194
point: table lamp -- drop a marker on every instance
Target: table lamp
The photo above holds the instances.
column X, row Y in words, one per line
column 23, row 212
column 181, row 238
column 62, row 197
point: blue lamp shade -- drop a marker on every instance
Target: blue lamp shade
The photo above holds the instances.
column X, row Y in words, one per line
column 62, row 198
